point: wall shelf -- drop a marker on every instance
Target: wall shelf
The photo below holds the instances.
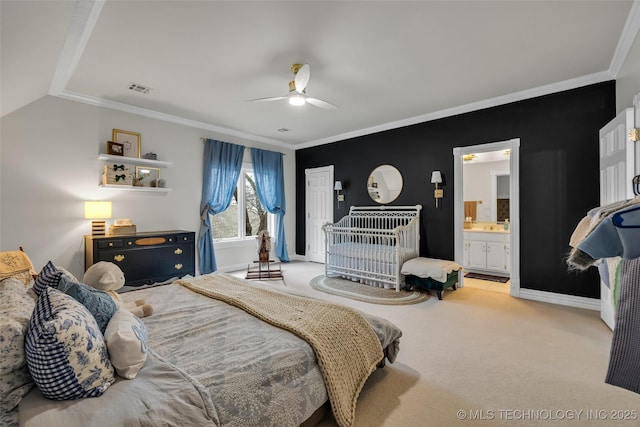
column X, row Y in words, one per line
column 133, row 188
column 134, row 161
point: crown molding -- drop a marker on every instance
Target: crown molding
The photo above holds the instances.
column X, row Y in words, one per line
column 474, row 106
column 127, row 108
column 628, row 36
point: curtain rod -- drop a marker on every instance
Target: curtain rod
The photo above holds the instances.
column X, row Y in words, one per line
column 204, row 139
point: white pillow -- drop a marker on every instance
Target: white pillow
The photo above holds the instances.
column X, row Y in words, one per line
column 126, row 338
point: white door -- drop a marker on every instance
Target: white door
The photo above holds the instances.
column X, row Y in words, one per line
column 319, row 211
column 617, row 169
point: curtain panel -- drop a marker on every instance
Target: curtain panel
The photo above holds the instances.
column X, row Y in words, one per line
column 268, row 170
column 222, row 166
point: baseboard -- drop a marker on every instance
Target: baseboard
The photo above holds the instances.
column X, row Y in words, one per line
column 560, row 299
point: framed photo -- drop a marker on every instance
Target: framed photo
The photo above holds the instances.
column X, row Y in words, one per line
column 146, row 176
column 115, row 148
column 130, row 141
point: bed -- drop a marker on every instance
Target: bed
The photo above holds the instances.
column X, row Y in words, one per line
column 210, row 362
column 371, row 244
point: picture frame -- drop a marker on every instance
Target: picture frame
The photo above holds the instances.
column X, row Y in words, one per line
column 115, row 148
column 146, row 176
column 130, row 141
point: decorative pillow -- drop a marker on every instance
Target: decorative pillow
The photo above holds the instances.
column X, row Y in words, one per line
column 16, row 264
column 99, row 303
column 16, row 306
column 126, row 338
column 66, row 353
column 49, row 276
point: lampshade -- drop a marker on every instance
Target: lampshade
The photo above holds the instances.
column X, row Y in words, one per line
column 436, row 177
column 337, row 186
column 97, row 210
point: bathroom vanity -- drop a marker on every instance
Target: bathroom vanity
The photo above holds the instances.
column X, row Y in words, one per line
column 487, row 251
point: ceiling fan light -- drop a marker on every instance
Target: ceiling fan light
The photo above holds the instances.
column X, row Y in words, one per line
column 296, row 100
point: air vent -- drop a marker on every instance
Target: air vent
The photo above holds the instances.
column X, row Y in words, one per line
column 139, row 88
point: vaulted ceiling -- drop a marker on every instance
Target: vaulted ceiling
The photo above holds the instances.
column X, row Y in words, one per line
column 383, row 63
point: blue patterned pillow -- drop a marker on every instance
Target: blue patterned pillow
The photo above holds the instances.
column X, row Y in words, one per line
column 49, row 276
column 98, row 302
column 66, row 353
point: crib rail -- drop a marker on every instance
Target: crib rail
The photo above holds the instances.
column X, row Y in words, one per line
column 371, row 243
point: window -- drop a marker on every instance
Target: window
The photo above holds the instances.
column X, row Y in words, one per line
column 245, row 217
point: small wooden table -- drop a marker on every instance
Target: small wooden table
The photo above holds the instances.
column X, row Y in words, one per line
column 269, row 270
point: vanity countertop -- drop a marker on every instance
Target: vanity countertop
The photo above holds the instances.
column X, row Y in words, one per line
column 481, row 230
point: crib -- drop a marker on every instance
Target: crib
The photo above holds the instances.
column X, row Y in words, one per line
column 371, row 243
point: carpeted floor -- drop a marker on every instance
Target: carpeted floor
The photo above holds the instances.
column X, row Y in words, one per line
column 480, row 358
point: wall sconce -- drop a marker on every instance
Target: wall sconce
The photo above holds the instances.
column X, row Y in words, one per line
column 338, row 187
column 98, row 211
column 436, row 178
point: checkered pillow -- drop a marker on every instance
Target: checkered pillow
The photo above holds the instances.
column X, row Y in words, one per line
column 66, row 353
column 49, row 276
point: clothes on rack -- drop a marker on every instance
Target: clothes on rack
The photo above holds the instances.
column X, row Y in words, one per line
column 578, row 258
column 613, row 237
column 612, row 234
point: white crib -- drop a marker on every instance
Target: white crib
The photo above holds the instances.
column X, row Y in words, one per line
column 371, row 243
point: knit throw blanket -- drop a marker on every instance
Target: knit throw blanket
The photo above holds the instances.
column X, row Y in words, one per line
column 347, row 349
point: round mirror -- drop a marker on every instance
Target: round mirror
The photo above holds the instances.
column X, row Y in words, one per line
column 384, row 184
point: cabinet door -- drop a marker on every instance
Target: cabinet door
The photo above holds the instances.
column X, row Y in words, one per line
column 496, row 258
column 477, row 254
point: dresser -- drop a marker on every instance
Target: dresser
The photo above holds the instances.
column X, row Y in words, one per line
column 145, row 258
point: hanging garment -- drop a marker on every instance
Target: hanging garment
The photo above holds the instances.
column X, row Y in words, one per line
column 616, row 235
column 580, row 259
column 624, row 361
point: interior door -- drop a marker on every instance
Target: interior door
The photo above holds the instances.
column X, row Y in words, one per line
column 319, row 210
column 617, row 169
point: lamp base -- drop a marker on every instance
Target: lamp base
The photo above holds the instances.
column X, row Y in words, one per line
column 98, row 228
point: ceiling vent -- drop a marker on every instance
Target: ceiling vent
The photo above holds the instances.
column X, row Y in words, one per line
column 139, row 88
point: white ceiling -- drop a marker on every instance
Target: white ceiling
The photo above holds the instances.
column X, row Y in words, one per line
column 383, row 63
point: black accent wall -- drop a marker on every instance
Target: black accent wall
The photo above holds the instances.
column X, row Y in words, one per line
column 559, row 175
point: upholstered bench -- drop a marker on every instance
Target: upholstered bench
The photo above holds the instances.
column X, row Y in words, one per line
column 431, row 274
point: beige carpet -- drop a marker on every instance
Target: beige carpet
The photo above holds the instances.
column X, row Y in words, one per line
column 488, row 358
column 361, row 292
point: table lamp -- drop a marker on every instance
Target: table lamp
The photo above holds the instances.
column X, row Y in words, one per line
column 98, row 211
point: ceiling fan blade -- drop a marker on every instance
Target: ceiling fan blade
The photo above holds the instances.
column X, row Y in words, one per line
column 302, row 78
column 322, row 104
column 273, row 98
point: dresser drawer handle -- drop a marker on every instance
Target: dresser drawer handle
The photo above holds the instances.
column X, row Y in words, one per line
column 178, row 266
column 111, row 244
column 177, row 251
column 119, row 258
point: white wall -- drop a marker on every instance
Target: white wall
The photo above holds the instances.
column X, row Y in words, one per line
column 49, row 167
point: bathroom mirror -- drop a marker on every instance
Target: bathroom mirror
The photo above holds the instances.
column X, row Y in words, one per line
column 384, row 184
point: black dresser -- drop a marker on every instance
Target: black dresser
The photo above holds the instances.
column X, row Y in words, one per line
column 145, row 258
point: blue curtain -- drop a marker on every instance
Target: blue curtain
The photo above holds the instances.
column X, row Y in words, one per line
column 269, row 173
column 222, row 166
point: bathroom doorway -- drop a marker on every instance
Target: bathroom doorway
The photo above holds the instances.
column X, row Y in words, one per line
column 486, row 212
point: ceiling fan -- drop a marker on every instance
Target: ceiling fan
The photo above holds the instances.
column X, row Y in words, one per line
column 297, row 93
